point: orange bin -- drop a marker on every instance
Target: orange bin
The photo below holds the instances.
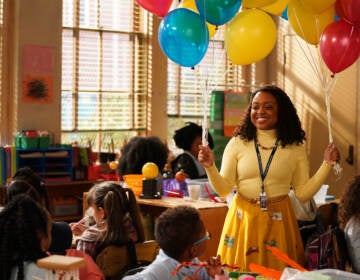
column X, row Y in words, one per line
column 134, row 182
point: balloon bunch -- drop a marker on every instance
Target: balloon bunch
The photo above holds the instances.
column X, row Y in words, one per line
column 340, row 41
column 250, row 34
column 334, row 25
column 184, row 32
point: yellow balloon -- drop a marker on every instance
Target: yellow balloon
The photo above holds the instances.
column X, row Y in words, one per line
column 256, row 3
column 250, row 36
column 317, row 6
column 191, row 5
column 307, row 25
column 276, row 8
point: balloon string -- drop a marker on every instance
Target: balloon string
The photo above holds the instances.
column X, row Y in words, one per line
column 337, row 168
column 205, row 128
column 327, row 82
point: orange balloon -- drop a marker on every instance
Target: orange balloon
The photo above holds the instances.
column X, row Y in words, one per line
column 306, row 24
column 113, row 164
column 191, row 5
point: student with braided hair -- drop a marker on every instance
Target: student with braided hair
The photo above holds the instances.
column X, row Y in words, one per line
column 117, row 218
column 24, row 238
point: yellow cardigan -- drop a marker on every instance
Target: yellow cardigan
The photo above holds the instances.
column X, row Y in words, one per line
column 289, row 167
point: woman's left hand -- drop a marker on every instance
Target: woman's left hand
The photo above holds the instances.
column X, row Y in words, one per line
column 331, row 154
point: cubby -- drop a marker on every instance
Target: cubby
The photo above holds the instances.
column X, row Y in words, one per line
column 52, row 164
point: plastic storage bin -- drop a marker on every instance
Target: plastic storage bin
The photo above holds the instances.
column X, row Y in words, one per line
column 35, row 142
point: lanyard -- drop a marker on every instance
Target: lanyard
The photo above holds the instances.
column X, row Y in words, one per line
column 264, row 173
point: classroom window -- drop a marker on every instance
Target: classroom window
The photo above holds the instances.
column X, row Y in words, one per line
column 106, row 55
column 187, row 86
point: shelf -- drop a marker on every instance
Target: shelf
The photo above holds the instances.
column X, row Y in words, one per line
column 52, row 164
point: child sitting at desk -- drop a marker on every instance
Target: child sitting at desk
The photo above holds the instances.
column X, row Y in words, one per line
column 182, row 237
column 24, row 238
column 26, row 181
column 117, row 218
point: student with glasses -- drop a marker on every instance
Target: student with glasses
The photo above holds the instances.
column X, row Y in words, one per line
column 182, row 237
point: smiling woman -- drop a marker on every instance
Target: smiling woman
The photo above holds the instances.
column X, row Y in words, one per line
column 263, row 178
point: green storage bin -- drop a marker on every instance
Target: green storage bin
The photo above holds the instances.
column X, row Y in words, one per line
column 44, row 142
column 29, row 142
column 17, row 141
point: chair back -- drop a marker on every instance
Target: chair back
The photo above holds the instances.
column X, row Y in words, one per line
column 113, row 259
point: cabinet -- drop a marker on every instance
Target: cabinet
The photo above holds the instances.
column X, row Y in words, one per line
column 52, row 164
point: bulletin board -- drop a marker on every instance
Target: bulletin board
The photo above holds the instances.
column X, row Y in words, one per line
column 235, row 104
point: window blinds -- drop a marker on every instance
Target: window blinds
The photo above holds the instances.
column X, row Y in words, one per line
column 105, row 64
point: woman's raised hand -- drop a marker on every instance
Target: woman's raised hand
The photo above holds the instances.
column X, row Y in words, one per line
column 205, row 156
column 331, row 154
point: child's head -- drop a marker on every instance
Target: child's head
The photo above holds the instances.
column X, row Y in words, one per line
column 25, row 233
column 349, row 203
column 111, row 203
column 180, row 233
column 25, row 180
column 140, row 150
column 189, row 138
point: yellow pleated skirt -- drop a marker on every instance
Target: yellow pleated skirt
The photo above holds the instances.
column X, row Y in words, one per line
column 247, row 229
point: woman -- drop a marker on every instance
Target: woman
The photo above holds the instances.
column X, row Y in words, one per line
column 269, row 142
column 117, row 218
column 189, row 138
column 349, row 221
column 24, row 238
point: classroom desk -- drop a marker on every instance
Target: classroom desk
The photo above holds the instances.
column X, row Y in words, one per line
column 212, row 214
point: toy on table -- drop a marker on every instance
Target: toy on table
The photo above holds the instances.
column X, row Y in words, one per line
column 149, row 183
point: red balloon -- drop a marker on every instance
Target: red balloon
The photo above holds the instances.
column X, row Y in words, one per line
column 340, row 45
column 339, row 10
column 351, row 9
column 157, row 7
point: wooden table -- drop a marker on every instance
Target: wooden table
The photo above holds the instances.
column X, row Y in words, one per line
column 213, row 215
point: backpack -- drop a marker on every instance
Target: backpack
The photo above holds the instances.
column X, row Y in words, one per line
column 327, row 250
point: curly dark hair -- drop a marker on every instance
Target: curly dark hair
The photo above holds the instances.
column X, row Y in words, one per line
column 185, row 136
column 22, row 181
column 349, row 205
column 116, row 202
column 288, row 127
column 178, row 228
column 140, row 150
column 22, row 221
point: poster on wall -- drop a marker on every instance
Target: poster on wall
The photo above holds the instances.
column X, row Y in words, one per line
column 38, row 74
column 235, row 104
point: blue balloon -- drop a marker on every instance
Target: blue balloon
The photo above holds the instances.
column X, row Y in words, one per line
column 284, row 14
column 218, row 12
column 184, row 37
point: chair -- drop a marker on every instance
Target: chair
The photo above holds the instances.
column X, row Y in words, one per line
column 113, row 259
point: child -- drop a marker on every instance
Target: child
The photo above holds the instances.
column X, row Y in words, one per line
column 189, row 138
column 24, row 238
column 117, row 219
column 26, row 181
column 349, row 221
column 182, row 237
